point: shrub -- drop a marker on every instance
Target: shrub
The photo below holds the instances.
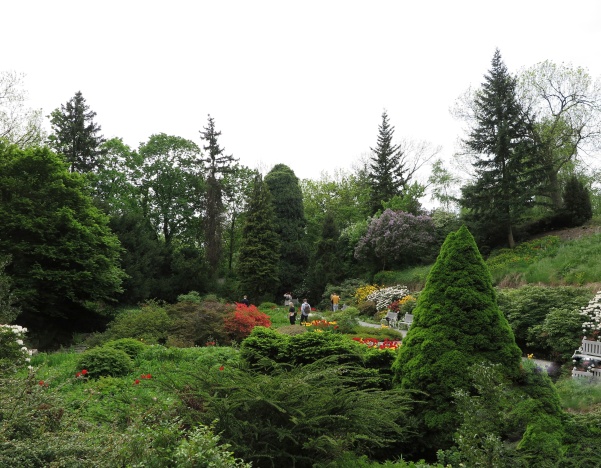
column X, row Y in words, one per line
column 105, row 361
column 528, row 306
column 131, row 347
column 367, row 308
column 267, row 305
column 362, row 292
column 192, row 296
column 240, row 323
column 386, row 296
column 193, row 324
column 263, row 343
column 12, row 352
column 457, row 323
column 149, row 323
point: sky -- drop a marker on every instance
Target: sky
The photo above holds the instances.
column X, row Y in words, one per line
column 302, row 83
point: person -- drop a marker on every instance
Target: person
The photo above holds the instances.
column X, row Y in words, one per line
column 305, row 309
column 292, row 314
column 335, row 298
column 245, row 301
column 287, row 299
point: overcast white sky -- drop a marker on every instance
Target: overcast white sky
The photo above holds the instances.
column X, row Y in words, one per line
column 302, row 83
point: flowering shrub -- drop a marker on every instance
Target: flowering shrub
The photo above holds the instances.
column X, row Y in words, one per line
column 387, row 343
column 397, row 237
column 592, row 326
column 13, row 354
column 362, row 292
column 240, row 323
column 386, row 296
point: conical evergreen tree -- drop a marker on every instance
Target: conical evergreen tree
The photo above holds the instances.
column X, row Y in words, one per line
column 327, row 264
column 457, row 323
column 260, row 247
column 506, row 169
column 385, row 168
column 576, row 202
column 290, row 223
column 76, row 136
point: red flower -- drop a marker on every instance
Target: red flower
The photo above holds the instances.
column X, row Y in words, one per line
column 136, row 382
column 77, row 374
column 41, row 383
column 221, row 368
column 84, row 372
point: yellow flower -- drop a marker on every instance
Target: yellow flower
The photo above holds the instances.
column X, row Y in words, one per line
column 530, row 356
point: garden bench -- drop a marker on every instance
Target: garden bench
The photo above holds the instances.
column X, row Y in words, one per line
column 391, row 319
column 589, row 351
column 408, row 320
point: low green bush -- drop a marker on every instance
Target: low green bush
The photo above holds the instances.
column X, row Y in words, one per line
column 105, row 361
column 150, row 323
column 129, row 345
column 367, row 309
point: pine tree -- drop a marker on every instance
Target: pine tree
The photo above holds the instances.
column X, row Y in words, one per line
column 260, row 246
column 290, row 224
column 76, row 136
column 507, row 175
column 386, row 170
column 456, row 323
column 217, row 165
column 577, row 207
column 326, row 267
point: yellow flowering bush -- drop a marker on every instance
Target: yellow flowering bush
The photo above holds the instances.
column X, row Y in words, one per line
column 362, row 292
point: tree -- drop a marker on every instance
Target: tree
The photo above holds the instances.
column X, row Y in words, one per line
column 63, row 252
column 327, row 266
column 75, row 135
column 397, row 238
column 500, row 139
column 386, row 173
column 18, row 124
column 170, row 187
column 564, row 105
column 443, row 183
column 456, row 324
column 577, row 205
column 290, row 224
column 217, row 165
column 8, row 310
column 260, row 246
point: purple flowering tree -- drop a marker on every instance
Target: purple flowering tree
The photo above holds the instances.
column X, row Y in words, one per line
column 396, row 238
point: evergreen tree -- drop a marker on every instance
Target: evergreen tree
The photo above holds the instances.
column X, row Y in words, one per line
column 76, row 136
column 290, row 224
column 217, row 165
column 507, row 175
column 260, row 246
column 577, row 205
column 386, row 171
column 457, row 323
column 326, row 267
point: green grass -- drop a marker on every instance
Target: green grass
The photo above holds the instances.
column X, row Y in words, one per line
column 579, row 394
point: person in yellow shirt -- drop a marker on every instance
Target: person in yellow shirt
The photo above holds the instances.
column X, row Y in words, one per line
column 335, row 298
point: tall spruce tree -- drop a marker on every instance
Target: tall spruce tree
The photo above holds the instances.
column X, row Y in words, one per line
column 290, row 224
column 217, row 165
column 385, row 168
column 327, row 266
column 456, row 323
column 259, row 247
column 506, row 171
column 76, row 136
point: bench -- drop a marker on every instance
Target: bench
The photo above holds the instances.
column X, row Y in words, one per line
column 589, row 351
column 407, row 320
column 391, row 319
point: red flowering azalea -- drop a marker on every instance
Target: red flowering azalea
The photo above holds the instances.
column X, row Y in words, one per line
column 240, row 323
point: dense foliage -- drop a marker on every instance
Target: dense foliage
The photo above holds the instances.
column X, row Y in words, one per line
column 457, row 323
